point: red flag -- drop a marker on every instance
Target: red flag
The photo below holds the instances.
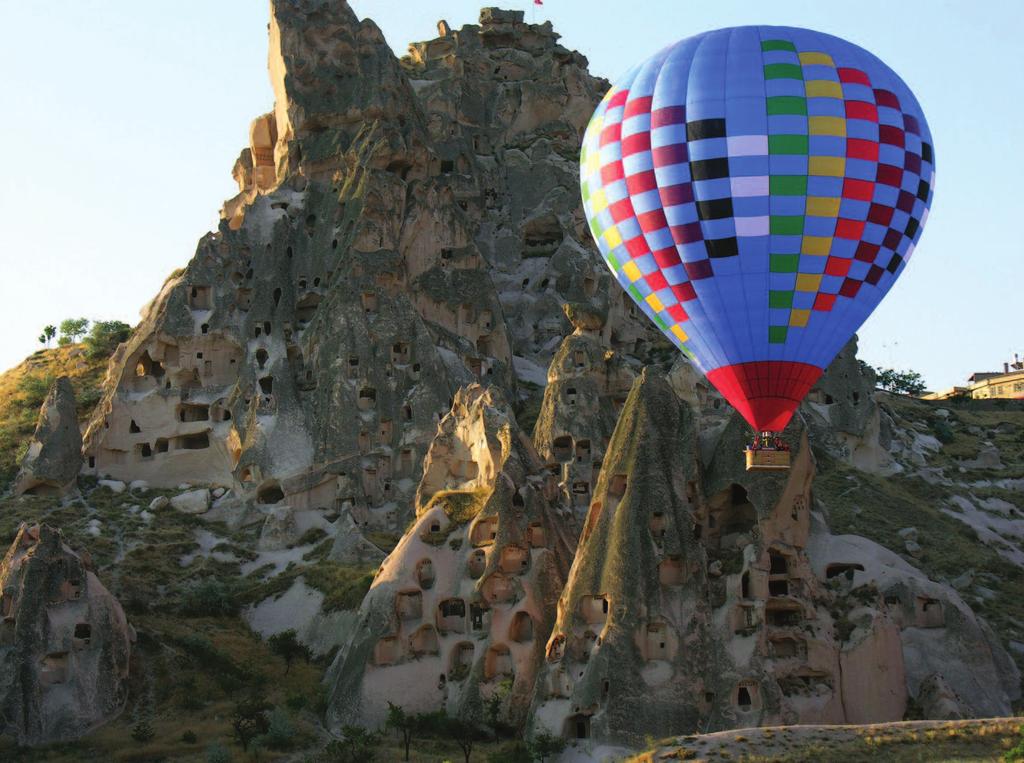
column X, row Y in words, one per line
column 538, row 2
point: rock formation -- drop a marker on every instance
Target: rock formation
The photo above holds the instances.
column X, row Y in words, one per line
column 54, row 455
column 64, row 642
column 587, row 387
column 460, row 611
column 392, row 220
column 705, row 597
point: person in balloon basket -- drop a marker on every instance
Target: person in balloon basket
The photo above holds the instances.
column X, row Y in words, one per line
column 767, row 441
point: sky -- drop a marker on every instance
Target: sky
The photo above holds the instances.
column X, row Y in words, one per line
column 122, row 121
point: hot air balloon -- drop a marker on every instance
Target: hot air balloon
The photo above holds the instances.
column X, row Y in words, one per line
column 757, row 191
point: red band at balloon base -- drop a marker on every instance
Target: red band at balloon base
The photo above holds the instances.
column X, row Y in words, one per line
column 766, row 393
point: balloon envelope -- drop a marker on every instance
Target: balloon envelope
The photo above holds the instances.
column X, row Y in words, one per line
column 757, row 191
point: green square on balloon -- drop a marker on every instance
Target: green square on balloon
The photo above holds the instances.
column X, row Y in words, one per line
column 786, row 225
column 787, row 185
column 777, row 334
column 787, row 144
column 783, row 71
column 767, row 45
column 785, row 263
column 787, row 104
column 780, row 299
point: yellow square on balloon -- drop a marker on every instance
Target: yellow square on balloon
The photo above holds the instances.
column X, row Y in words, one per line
column 613, row 237
column 816, row 245
column 827, row 126
column 598, row 200
column 655, row 303
column 827, row 166
column 822, row 206
column 680, row 334
column 823, row 59
column 631, row 270
column 808, row 282
column 799, row 318
column 823, row 88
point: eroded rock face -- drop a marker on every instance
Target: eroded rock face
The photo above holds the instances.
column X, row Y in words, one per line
column 54, row 455
column 64, row 642
column 403, row 229
column 630, row 653
column 460, row 611
column 587, row 387
column 844, row 418
column 704, row 597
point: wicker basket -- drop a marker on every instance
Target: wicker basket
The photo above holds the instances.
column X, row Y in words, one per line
column 767, row 460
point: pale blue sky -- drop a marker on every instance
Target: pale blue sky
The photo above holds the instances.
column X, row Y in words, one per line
column 122, row 120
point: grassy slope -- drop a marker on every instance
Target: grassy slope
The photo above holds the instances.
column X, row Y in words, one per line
column 877, row 507
column 984, row 740
column 24, row 387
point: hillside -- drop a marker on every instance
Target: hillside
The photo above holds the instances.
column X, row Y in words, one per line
column 24, row 387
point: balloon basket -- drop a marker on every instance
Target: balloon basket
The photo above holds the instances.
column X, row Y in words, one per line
column 766, row 460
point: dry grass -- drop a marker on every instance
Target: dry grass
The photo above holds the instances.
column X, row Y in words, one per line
column 974, row 740
column 23, row 389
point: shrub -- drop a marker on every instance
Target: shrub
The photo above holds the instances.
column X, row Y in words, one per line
column 546, row 745
column 142, row 732
column 189, row 737
column 210, row 598
column 280, row 731
column 296, row 701
column 218, row 753
column 943, row 431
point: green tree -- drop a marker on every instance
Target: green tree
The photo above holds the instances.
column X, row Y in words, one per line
column 545, row 745
column 71, row 329
column 49, row 332
column 902, row 382
column 286, row 645
column 466, row 734
column 249, row 720
column 105, row 336
column 405, row 725
column 494, row 706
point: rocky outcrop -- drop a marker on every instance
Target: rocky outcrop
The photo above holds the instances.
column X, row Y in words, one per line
column 64, row 642
column 846, row 422
column 54, row 456
column 630, row 653
column 705, row 597
column 460, row 611
column 402, row 229
column 587, row 386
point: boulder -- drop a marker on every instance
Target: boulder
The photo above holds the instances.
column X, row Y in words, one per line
column 54, row 455
column 192, row 502
column 160, row 502
column 938, row 701
column 350, row 547
column 114, row 486
column 279, row 529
